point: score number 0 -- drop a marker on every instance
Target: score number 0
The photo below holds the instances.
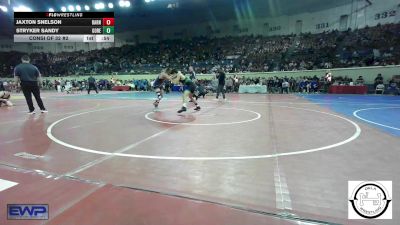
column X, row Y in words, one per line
column 108, row 21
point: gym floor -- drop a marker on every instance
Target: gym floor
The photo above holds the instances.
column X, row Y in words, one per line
column 254, row 159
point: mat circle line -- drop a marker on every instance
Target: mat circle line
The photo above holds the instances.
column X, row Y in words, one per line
column 348, row 140
column 355, row 113
column 258, row 116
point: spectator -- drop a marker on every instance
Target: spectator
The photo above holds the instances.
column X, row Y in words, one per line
column 314, row 86
column 380, row 88
column 393, row 89
column 2, row 86
column 360, row 81
column 378, row 80
column 192, row 74
column 235, row 83
column 285, row 86
column 371, row 46
column 229, row 85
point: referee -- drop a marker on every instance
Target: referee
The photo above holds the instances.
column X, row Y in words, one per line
column 92, row 85
column 29, row 77
column 221, row 82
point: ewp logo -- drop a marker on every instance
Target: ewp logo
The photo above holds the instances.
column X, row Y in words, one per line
column 27, row 211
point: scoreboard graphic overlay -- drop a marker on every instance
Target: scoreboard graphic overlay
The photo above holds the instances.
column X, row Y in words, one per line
column 64, row 26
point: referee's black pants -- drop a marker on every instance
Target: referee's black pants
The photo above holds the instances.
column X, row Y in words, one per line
column 221, row 89
column 28, row 90
column 92, row 86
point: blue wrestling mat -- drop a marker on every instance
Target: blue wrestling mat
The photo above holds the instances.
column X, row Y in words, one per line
column 382, row 112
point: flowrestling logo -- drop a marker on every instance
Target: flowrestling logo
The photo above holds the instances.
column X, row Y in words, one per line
column 370, row 199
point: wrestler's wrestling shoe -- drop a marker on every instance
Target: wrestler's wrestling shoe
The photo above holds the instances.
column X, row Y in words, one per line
column 197, row 108
column 183, row 109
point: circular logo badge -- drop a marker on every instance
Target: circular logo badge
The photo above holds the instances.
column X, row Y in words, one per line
column 370, row 200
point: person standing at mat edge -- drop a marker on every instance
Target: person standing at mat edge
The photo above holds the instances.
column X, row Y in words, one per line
column 92, row 85
column 192, row 74
column 29, row 78
column 221, row 82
